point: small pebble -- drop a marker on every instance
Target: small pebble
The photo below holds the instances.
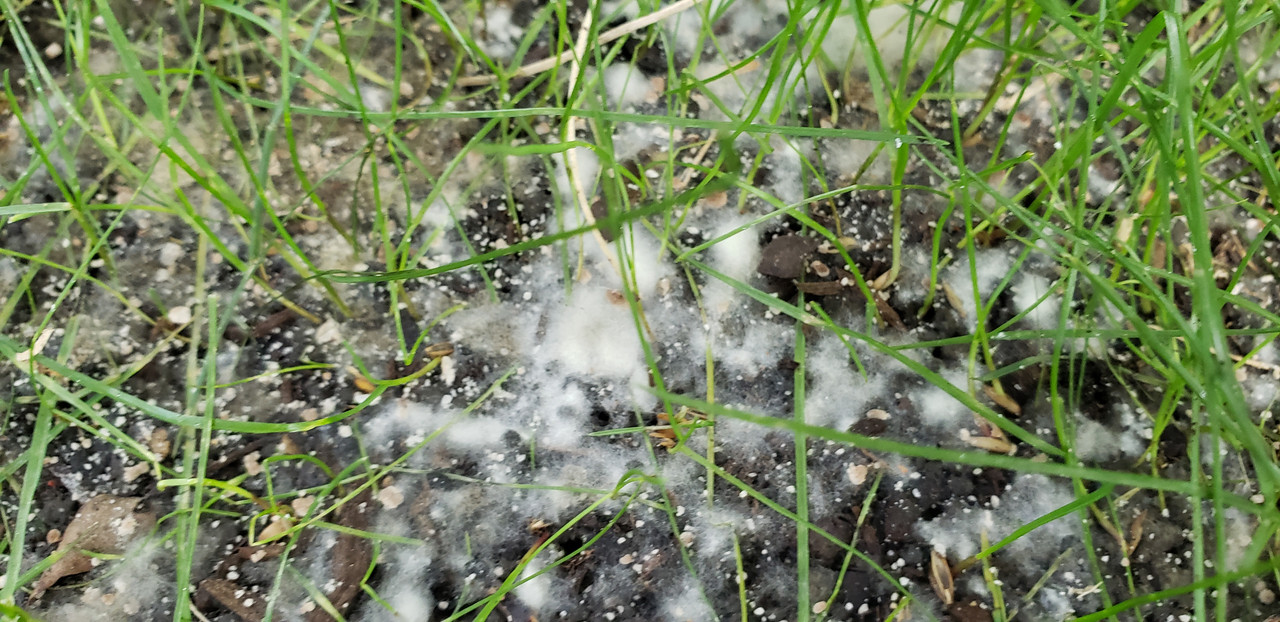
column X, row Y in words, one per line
column 179, row 315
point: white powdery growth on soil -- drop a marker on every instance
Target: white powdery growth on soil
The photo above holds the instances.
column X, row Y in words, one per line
column 836, row 395
column 1261, row 388
column 957, row 531
column 736, row 257
column 992, row 266
column 940, row 410
column 579, row 368
column 1028, row 291
column 630, row 139
column 785, row 165
column 738, row 92
column 592, row 336
column 627, row 86
column 128, row 592
column 1126, row 438
column 889, row 29
column 497, row 34
column 566, row 328
column 404, row 590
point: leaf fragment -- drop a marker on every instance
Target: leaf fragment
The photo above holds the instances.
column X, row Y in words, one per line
column 990, row 439
column 1135, row 533
column 953, row 299
column 104, row 524
column 940, row 578
column 1002, row 399
column 439, row 350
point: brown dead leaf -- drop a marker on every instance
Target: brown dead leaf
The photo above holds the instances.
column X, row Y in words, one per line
column 888, row 314
column 1002, row 399
column 438, row 350
column 274, row 321
column 363, row 385
column 953, row 299
column 995, row 443
column 665, row 432
column 972, row 139
column 1135, row 533
column 820, row 288
column 23, row 358
column 1124, row 231
column 1109, row 527
column 277, row 527
column 352, row 554
column 666, row 437
column 104, row 524
column 990, row 236
column 940, row 577
column 250, row 607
